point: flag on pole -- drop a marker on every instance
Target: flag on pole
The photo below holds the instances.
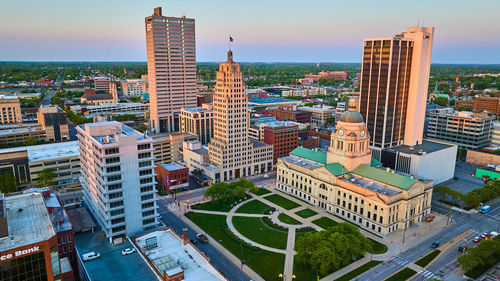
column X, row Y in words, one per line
column 230, row 39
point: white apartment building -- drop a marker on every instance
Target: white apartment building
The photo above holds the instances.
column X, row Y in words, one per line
column 118, row 178
column 110, row 108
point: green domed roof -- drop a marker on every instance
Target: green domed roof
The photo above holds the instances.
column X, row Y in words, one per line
column 351, row 117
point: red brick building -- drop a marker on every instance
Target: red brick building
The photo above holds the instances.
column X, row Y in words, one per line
column 291, row 113
column 172, row 176
column 283, row 136
column 487, row 104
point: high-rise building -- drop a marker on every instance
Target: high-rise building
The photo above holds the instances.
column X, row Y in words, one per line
column 118, row 177
column 171, row 56
column 101, row 83
column 10, row 110
column 230, row 153
column 394, row 83
column 198, row 121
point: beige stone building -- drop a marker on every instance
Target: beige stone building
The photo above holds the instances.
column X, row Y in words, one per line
column 231, row 154
column 10, row 110
column 344, row 181
column 198, row 121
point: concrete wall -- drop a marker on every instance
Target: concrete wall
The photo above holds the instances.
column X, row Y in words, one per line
column 438, row 166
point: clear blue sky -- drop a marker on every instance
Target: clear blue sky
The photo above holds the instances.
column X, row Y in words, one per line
column 265, row 31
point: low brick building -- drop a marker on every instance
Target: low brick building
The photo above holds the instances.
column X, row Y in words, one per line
column 292, row 113
column 490, row 104
column 172, row 176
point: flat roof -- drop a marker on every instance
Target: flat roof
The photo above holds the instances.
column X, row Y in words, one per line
column 111, row 266
column 53, row 151
column 197, row 109
column 20, row 131
column 172, row 166
column 271, row 100
column 426, row 146
column 371, row 185
column 172, row 257
column 28, row 221
column 278, row 124
column 307, row 108
column 257, row 143
column 80, row 219
column 301, row 162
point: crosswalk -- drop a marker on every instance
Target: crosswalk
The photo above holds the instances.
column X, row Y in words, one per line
column 400, row 261
column 428, row 274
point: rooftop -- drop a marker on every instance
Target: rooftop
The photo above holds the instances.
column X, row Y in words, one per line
column 390, row 178
column 21, row 130
column 28, row 221
column 53, row 151
column 371, row 185
column 98, row 97
column 263, row 101
column 172, row 257
column 172, row 166
column 257, row 143
column 197, row 109
column 310, row 108
column 301, row 162
column 278, row 124
column 310, row 154
column 425, row 147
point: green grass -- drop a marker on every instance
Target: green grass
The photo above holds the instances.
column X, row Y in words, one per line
column 324, row 222
column 404, row 274
column 282, row 201
column 377, row 247
column 219, row 207
column 254, row 207
column 356, row 225
column 267, row 264
column 358, row 271
column 304, row 272
column 262, row 191
column 425, row 260
column 255, row 230
column 287, row 219
column 306, row 213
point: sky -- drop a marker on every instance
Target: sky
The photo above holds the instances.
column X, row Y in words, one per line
column 263, row 30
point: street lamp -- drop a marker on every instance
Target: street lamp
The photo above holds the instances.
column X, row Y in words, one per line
column 281, row 275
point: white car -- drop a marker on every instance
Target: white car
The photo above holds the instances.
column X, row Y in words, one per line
column 90, row 256
column 128, row 251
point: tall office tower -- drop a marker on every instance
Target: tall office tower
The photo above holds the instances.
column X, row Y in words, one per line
column 171, row 53
column 118, row 177
column 229, row 149
column 394, row 81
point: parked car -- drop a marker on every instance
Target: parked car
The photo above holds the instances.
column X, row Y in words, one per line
column 193, row 240
column 128, row 251
column 462, row 249
column 435, row 245
column 476, row 239
column 485, row 234
column 202, row 238
column 90, row 256
column 429, row 218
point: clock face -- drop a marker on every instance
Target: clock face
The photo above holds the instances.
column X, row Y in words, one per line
column 341, row 132
column 362, row 133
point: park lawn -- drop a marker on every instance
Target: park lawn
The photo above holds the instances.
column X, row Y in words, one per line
column 377, row 247
column 255, row 230
column 324, row 222
column 254, row 207
column 282, row 201
column 304, row 272
column 358, row 271
column 302, row 231
column 267, row 264
column 425, row 260
column 402, row 275
column 287, row 219
column 261, row 191
column 306, row 213
column 219, row 207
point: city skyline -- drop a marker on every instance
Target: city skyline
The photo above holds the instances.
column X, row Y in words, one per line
column 320, row 32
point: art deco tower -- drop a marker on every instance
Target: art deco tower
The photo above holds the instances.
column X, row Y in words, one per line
column 229, row 148
column 171, row 54
column 394, row 81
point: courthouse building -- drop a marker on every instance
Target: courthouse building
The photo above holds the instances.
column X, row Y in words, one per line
column 344, row 182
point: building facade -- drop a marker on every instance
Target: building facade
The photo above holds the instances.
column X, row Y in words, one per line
column 292, row 113
column 10, row 110
column 118, row 177
column 172, row 177
column 319, row 114
column 110, row 108
column 230, row 153
column 342, row 181
column 171, row 58
column 465, row 129
column 394, row 84
column 198, row 121
column 283, row 136
column 101, row 83
column 133, row 87
column 490, row 104
column 54, row 122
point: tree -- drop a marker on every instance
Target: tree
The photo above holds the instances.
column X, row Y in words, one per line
column 442, row 101
column 330, row 120
column 8, row 183
column 470, row 200
column 45, row 178
column 333, row 248
column 30, row 141
column 223, row 192
column 442, row 191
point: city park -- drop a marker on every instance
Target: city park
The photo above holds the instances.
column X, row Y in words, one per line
column 280, row 237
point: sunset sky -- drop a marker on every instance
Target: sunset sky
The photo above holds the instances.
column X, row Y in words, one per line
column 264, row 31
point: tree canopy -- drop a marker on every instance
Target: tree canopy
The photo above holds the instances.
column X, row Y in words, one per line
column 224, row 192
column 45, row 178
column 333, row 248
column 8, row 183
column 480, row 258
